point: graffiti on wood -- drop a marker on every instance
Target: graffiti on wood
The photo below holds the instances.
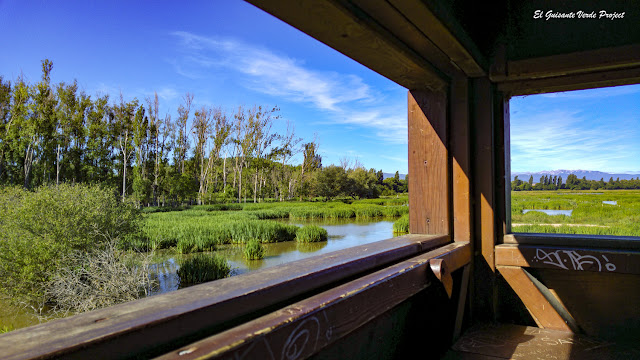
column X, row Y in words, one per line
column 574, row 260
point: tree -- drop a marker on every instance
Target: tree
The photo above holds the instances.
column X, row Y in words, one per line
column 5, row 109
column 122, row 127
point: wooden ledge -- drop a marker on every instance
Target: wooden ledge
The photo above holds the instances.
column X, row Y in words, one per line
column 179, row 317
column 304, row 328
column 568, row 258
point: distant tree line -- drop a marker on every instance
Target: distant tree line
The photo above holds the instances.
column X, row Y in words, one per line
column 56, row 133
column 555, row 182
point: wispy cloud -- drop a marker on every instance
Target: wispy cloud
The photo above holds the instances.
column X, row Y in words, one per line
column 561, row 139
column 346, row 98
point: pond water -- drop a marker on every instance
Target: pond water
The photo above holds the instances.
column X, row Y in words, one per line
column 614, row 202
column 550, row 212
column 344, row 233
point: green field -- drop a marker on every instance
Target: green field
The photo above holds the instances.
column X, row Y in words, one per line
column 590, row 214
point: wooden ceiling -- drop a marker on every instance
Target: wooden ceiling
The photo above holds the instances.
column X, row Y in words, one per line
column 422, row 44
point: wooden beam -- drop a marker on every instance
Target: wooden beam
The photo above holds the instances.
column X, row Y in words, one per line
column 457, row 46
column 575, row 240
column 571, row 259
column 407, row 32
column 542, row 311
column 428, row 163
column 359, row 36
column 304, row 328
column 616, row 77
column 139, row 327
column 484, row 231
column 461, row 166
column 573, row 63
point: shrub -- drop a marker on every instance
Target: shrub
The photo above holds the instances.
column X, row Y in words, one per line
column 311, row 233
column 254, row 250
column 40, row 230
column 201, row 268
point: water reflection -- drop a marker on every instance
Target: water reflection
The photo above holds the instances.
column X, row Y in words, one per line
column 550, row 212
column 343, row 233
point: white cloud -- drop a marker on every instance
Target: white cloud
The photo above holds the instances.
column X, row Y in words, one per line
column 344, row 97
column 563, row 139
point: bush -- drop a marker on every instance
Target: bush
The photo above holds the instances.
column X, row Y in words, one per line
column 201, row 268
column 254, row 250
column 40, row 230
column 311, row 233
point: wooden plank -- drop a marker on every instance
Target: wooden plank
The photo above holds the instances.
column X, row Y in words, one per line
column 506, row 341
column 428, row 163
column 358, row 36
column 462, row 300
column 458, row 47
column 484, row 232
column 407, row 32
column 572, row 82
column 603, row 304
column 302, row 329
column 503, row 165
column 484, row 169
column 573, row 63
column 140, row 326
column 461, row 167
column 573, row 240
column 542, row 311
column 567, row 258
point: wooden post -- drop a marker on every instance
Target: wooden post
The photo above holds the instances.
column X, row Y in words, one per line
column 428, row 163
column 483, row 167
column 461, row 167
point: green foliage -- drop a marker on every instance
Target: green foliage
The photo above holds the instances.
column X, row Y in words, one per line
column 200, row 268
column 311, row 233
column 401, row 226
column 38, row 230
column 254, row 250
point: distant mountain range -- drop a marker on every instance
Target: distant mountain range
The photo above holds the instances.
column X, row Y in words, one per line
column 589, row 174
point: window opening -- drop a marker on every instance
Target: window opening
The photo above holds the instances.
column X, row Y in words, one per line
column 575, row 162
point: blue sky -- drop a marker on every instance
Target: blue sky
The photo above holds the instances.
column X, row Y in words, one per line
column 596, row 129
column 229, row 53
column 225, row 52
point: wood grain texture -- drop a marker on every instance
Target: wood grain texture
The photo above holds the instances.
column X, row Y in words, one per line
column 569, row 258
column 542, row 311
column 598, row 79
column 573, row 63
column 351, row 31
column 506, row 341
column 428, row 163
column 461, row 166
column 604, row 305
column 465, row 57
column 571, row 240
column 140, row 326
column 302, row 329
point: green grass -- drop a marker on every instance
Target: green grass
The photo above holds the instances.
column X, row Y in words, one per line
column 311, row 233
column 588, row 208
column 254, row 250
column 401, row 226
column 200, row 268
column 202, row 228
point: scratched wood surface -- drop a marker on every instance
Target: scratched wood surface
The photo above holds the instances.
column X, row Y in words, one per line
column 302, row 329
column 173, row 318
column 569, row 258
column 428, row 163
column 505, row 341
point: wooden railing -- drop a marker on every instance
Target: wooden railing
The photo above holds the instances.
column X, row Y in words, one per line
column 336, row 291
